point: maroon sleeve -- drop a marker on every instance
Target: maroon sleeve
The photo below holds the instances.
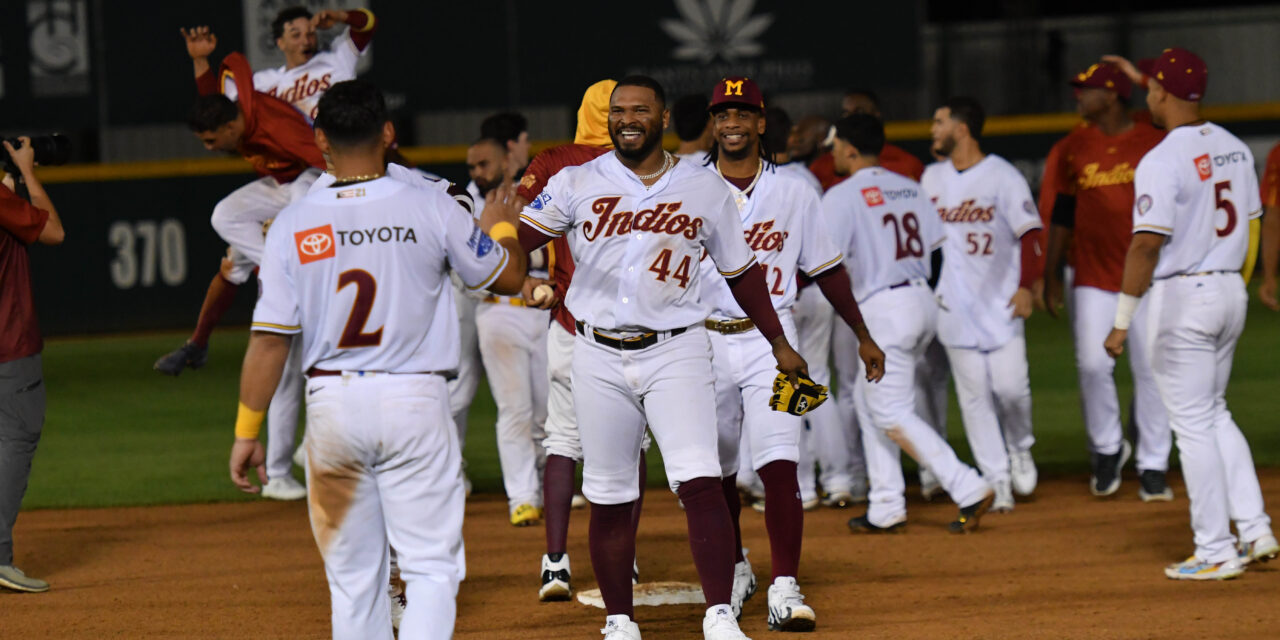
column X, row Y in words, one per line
column 207, row 83
column 835, row 285
column 752, row 294
column 531, row 239
column 1032, row 258
column 236, row 66
column 363, row 24
column 540, row 169
column 21, row 218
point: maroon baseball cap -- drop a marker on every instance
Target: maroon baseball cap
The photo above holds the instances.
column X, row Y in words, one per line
column 736, row 91
column 1104, row 75
column 1181, row 73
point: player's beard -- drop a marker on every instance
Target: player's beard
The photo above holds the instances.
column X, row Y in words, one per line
column 747, row 150
column 652, row 138
column 945, row 146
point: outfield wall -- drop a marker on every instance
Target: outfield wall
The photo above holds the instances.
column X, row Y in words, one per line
column 140, row 253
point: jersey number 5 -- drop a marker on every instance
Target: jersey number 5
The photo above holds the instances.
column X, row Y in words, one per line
column 353, row 334
column 909, row 244
column 1226, row 206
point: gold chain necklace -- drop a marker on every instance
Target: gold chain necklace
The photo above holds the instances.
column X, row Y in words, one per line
column 354, row 179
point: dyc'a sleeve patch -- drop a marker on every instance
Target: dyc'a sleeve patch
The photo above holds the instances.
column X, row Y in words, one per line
column 480, row 242
column 540, row 201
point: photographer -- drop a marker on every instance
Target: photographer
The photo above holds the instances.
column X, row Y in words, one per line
column 21, row 380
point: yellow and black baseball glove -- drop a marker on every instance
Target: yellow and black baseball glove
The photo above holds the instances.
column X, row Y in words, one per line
column 796, row 401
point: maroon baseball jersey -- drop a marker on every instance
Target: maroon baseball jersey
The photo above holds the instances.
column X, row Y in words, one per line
column 544, row 165
column 20, row 225
column 278, row 141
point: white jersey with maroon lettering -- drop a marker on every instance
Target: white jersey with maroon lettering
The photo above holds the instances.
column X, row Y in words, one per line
column 636, row 248
column 985, row 210
column 886, row 228
column 799, row 170
column 303, row 85
column 355, row 240
column 782, row 222
column 1198, row 187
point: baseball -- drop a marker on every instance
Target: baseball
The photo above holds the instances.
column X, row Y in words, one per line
column 542, row 292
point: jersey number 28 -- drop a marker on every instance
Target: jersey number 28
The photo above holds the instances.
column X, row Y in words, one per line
column 906, row 235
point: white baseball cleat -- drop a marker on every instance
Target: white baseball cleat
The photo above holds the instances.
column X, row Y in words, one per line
column 719, row 624
column 284, row 488
column 1004, row 497
column 300, row 454
column 1194, row 568
column 620, row 628
column 555, row 578
column 1022, row 470
column 744, row 585
column 579, row 501
column 1261, row 550
column 929, row 485
column 787, row 610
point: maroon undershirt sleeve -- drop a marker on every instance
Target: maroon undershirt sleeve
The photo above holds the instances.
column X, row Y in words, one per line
column 1032, row 258
column 752, row 294
column 835, row 285
column 359, row 20
column 531, row 239
column 207, row 83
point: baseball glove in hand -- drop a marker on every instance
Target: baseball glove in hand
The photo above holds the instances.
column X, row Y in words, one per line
column 796, row 401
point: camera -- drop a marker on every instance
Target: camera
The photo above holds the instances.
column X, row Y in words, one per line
column 50, row 150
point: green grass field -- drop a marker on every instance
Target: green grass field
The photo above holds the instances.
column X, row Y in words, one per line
column 119, row 433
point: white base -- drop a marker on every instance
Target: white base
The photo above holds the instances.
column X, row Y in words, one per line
column 651, row 594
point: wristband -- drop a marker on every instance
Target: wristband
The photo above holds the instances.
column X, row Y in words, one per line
column 248, row 422
column 1124, row 311
column 503, row 230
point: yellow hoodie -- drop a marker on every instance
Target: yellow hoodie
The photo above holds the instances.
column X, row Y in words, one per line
column 593, row 115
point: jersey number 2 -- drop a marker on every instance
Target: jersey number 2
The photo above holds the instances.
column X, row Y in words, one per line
column 1226, row 206
column 353, row 334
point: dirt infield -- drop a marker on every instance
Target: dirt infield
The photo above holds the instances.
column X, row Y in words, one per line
column 1064, row 566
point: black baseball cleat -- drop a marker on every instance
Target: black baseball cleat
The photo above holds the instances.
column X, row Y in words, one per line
column 1153, row 487
column 1106, row 471
column 188, row 355
column 860, row 524
column 967, row 521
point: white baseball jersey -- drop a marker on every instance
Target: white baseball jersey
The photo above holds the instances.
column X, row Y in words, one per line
column 411, row 177
column 886, row 228
column 1198, row 187
column 353, row 240
column 303, row 85
column 798, row 170
column 985, row 210
column 636, row 248
column 782, row 222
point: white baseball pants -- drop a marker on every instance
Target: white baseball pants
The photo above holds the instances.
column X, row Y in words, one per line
column 238, row 218
column 1093, row 311
column 462, row 388
column 825, row 438
column 1193, row 324
column 844, row 356
column 383, row 467
column 902, row 321
column 745, row 369
column 513, row 348
column 932, row 373
column 670, row 386
column 282, row 413
column 994, row 392
column 561, row 425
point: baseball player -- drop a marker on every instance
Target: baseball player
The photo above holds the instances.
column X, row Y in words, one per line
column 638, row 221
column 893, row 158
column 280, row 144
column 992, row 260
column 562, row 444
column 1270, row 232
column 884, row 226
column 781, row 220
column 1088, row 191
column 378, row 472
column 512, row 339
column 300, row 82
column 693, row 127
column 1197, row 193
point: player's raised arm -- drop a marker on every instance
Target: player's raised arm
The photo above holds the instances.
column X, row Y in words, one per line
column 499, row 219
column 201, row 42
column 362, row 23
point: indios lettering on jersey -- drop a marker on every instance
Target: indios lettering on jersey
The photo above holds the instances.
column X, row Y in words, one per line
column 967, row 212
column 356, row 237
column 760, row 237
column 1092, row 178
column 303, row 88
column 660, row 219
